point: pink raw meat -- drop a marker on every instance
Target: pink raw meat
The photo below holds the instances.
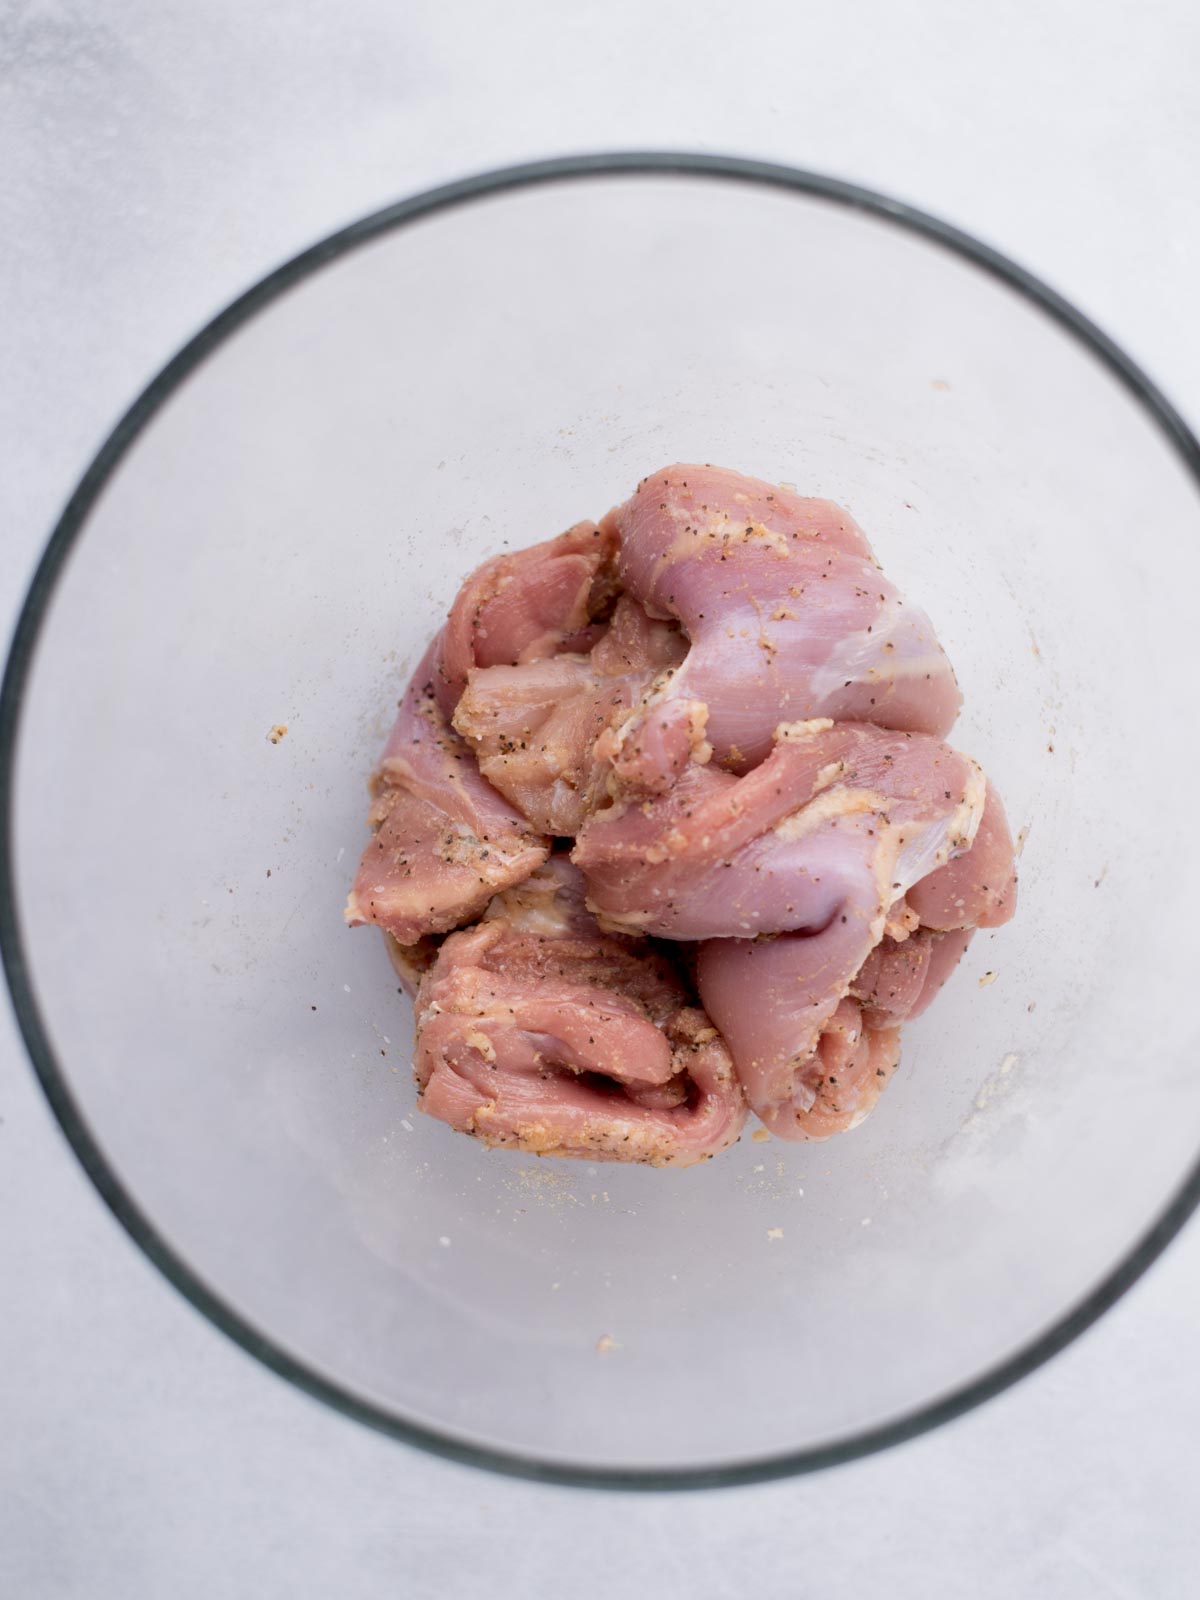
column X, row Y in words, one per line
column 807, row 1062
column 526, row 605
column 819, row 845
column 788, row 616
column 836, row 825
column 979, row 889
column 662, row 688
column 899, row 979
column 445, row 841
column 537, row 1031
column 777, row 1000
column 534, row 727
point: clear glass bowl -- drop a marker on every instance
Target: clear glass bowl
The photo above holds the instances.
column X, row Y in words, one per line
column 271, row 535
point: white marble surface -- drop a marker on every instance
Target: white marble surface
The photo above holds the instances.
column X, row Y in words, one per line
column 158, row 155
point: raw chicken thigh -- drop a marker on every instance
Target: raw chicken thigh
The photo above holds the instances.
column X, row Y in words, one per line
column 534, row 728
column 739, row 722
column 525, row 606
column 536, row 1029
column 788, row 614
column 817, row 844
column 839, row 820
column 445, row 841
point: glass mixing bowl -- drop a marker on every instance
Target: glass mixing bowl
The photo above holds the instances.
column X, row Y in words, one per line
column 270, row 537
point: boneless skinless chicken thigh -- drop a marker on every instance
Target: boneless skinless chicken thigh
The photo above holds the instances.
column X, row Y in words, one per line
column 679, row 781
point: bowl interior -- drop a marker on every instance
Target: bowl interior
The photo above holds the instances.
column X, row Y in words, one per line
column 278, row 545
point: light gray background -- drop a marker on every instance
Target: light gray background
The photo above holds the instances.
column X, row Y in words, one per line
column 155, row 157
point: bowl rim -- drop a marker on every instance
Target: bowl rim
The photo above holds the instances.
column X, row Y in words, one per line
column 54, row 1081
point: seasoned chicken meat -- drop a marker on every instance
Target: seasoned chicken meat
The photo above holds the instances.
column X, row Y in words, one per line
column 538, row 1031
column 787, row 613
column 526, row 605
column 736, row 725
column 444, row 840
column 836, row 824
column 537, row 729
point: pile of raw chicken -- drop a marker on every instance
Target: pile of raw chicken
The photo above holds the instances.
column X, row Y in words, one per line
column 666, row 832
